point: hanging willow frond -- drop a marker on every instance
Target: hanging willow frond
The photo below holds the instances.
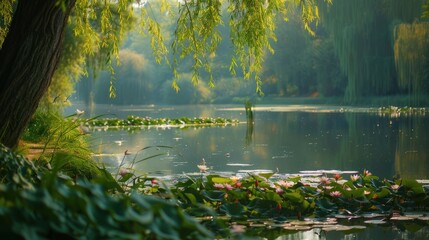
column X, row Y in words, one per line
column 362, row 31
column 252, row 25
column 410, row 42
column 6, row 14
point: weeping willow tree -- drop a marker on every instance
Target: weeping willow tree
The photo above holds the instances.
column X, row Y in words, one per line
column 363, row 39
column 32, row 33
column 411, row 58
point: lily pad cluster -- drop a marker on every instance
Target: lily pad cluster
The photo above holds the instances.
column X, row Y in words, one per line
column 255, row 196
column 394, row 111
column 147, row 121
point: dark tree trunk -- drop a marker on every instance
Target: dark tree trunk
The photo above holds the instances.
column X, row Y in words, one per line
column 28, row 58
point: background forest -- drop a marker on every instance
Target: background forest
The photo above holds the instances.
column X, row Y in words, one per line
column 358, row 49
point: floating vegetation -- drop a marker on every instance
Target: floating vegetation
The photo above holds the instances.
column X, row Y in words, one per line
column 134, row 121
column 262, row 197
column 393, row 111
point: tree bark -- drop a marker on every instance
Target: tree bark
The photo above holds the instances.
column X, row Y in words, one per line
column 28, row 58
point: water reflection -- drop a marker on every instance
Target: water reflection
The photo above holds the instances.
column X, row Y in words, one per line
column 374, row 232
column 291, row 141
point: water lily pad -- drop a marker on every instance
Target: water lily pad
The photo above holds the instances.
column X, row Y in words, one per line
column 416, row 214
column 340, row 216
column 337, row 228
column 323, row 225
column 373, row 215
column 301, row 223
column 402, row 218
column 297, row 228
column 377, row 222
column 257, row 225
column 280, row 225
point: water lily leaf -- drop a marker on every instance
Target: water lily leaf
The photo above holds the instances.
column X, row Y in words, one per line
column 266, row 175
column 214, row 196
column 377, row 222
column 295, row 179
column 301, row 223
column 373, row 215
column 221, row 180
column 354, row 193
column 381, row 194
column 234, row 210
column 413, row 227
column 297, row 228
column 415, row 186
column 326, row 204
column 402, row 218
column 293, row 197
column 337, row 228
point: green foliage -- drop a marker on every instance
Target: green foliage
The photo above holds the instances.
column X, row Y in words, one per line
column 61, row 143
column 16, row 171
column 34, row 207
column 426, row 9
column 6, row 14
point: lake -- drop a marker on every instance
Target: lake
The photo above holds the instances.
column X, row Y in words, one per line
column 288, row 139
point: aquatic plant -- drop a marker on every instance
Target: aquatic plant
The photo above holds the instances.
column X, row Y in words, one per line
column 394, row 111
column 255, row 196
column 147, row 121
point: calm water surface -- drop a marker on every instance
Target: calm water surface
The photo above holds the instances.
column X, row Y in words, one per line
column 287, row 138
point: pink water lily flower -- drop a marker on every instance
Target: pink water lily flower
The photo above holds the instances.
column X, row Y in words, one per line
column 395, row 187
column 354, row 177
column 325, row 180
column 286, row 184
column 218, row 186
column 335, row 194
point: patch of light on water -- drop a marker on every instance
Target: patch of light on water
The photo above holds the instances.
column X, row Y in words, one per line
column 329, row 172
column 239, row 164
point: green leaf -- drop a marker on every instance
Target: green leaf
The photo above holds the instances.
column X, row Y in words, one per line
column 266, row 175
column 214, row 196
column 412, row 184
column 126, row 177
column 293, row 197
column 234, row 210
column 221, row 180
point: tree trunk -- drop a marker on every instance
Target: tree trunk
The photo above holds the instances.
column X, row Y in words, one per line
column 28, row 58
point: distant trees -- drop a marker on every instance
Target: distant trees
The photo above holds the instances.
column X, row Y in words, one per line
column 372, row 38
